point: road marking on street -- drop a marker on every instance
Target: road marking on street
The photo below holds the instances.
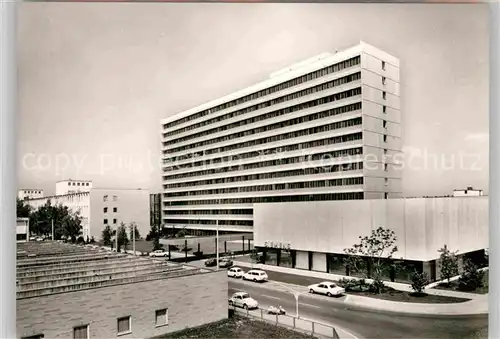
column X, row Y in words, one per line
column 310, row 305
column 270, row 296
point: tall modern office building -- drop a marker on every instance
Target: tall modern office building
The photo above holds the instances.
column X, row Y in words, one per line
column 325, row 129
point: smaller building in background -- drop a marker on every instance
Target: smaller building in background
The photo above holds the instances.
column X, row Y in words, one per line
column 23, row 229
column 99, row 207
column 70, row 186
column 468, row 192
column 29, row 193
column 155, row 209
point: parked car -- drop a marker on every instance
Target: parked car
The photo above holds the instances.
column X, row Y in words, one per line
column 211, row 262
column 327, row 288
column 225, row 263
column 255, row 275
column 235, row 272
column 243, row 299
column 158, row 253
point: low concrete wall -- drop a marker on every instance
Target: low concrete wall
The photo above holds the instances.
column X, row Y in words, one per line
column 191, row 301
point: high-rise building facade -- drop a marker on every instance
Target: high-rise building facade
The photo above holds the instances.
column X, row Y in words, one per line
column 155, row 209
column 325, row 129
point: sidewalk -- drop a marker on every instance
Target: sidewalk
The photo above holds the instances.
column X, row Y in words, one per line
column 478, row 304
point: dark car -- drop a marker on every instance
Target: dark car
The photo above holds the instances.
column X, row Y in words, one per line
column 225, row 263
column 210, row 262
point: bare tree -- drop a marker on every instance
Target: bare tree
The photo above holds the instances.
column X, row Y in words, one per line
column 372, row 255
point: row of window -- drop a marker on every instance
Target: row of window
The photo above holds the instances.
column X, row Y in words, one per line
column 292, row 96
column 105, row 209
column 259, row 188
column 106, row 221
column 105, row 198
column 310, row 117
column 290, row 83
column 281, row 174
column 258, row 200
column 72, row 183
column 312, row 103
column 205, row 212
column 316, row 143
column 210, row 222
column 124, row 326
column 311, row 130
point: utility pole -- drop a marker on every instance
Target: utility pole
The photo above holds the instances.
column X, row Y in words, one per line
column 52, row 229
column 116, row 239
column 133, row 237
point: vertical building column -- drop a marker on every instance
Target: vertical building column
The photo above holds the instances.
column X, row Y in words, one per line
column 8, row 171
column 494, row 163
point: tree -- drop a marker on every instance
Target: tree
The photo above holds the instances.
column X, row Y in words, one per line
column 448, row 264
column 107, row 234
column 156, row 244
column 72, row 226
column 472, row 278
column 122, row 237
column 23, row 209
column 133, row 227
column 419, row 281
column 66, row 223
column 372, row 254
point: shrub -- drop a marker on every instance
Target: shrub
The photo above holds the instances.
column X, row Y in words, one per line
column 471, row 279
column 377, row 286
column 354, row 285
column 419, row 281
column 80, row 240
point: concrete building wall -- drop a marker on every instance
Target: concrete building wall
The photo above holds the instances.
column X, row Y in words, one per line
column 191, row 301
column 132, row 205
column 422, row 226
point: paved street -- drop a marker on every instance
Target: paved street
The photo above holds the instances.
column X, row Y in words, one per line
column 361, row 322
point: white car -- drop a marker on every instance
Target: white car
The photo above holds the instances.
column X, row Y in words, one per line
column 255, row 275
column 158, row 253
column 235, row 272
column 243, row 299
column 327, row 288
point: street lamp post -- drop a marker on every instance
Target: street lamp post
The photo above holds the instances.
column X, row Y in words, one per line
column 296, row 295
column 217, row 239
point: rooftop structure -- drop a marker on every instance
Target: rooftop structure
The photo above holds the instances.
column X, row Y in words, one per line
column 29, row 193
column 468, row 192
column 71, row 283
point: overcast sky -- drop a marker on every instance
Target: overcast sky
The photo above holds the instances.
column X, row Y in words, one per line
column 95, row 80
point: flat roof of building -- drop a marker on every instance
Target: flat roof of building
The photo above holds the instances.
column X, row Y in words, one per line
column 47, row 268
column 288, row 73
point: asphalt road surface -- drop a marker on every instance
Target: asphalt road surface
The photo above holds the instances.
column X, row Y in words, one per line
column 362, row 322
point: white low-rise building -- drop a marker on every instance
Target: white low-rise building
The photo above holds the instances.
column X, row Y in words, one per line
column 29, row 193
column 313, row 235
column 468, row 192
column 99, row 207
column 23, row 229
